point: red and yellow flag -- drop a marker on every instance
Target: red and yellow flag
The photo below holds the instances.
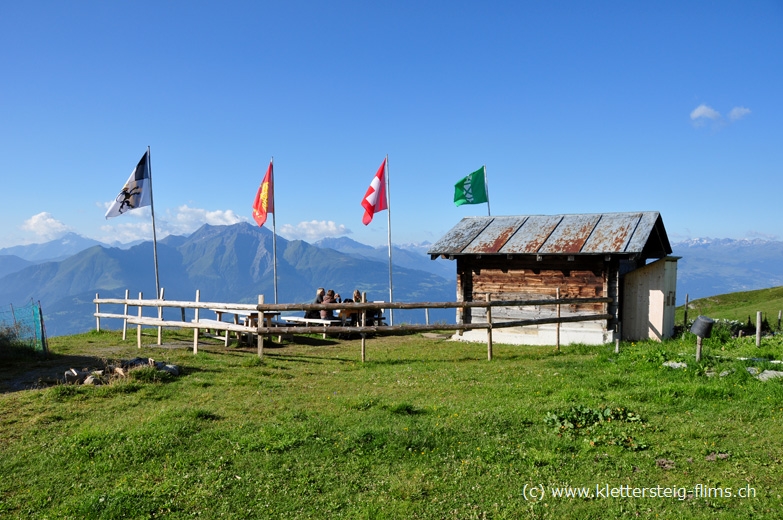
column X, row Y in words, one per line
column 265, row 198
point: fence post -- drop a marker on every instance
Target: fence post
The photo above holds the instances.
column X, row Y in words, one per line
column 364, row 323
column 160, row 317
column 195, row 331
column 260, row 337
column 125, row 319
column 138, row 327
column 97, row 311
column 427, row 316
column 758, row 328
column 489, row 328
column 780, row 314
column 43, row 330
column 685, row 316
column 557, row 328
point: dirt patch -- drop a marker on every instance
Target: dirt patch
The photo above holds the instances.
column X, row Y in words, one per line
column 32, row 373
column 35, row 373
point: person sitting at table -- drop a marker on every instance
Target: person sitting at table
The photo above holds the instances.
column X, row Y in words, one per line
column 319, row 298
column 329, row 297
column 357, row 298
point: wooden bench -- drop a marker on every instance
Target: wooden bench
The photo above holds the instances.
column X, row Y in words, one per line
column 215, row 325
column 248, row 319
column 311, row 321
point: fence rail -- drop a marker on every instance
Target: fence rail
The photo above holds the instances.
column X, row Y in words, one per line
column 262, row 329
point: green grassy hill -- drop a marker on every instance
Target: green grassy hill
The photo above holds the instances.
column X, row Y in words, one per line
column 425, row 428
column 737, row 306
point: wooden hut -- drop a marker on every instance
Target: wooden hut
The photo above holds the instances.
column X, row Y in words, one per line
column 622, row 256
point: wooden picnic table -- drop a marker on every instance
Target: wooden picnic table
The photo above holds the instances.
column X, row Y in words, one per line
column 248, row 318
column 311, row 321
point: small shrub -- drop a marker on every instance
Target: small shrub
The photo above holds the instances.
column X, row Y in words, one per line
column 363, row 404
column 404, row 409
column 149, row 375
column 118, row 387
column 597, row 426
column 253, row 361
column 204, row 415
column 60, row 392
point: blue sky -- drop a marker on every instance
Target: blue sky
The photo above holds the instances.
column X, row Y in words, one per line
column 574, row 107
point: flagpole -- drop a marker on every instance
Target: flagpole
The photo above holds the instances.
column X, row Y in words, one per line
column 274, row 227
column 388, row 217
column 154, row 235
column 486, row 190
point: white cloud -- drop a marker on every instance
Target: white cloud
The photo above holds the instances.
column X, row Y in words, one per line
column 764, row 236
column 186, row 219
column 313, row 231
column 127, row 231
column 44, row 226
column 738, row 113
column 137, row 224
column 704, row 112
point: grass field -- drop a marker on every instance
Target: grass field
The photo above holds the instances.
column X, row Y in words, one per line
column 426, row 428
column 739, row 306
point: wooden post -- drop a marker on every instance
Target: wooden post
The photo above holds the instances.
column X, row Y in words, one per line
column 557, row 326
column 364, row 323
column 195, row 331
column 685, row 317
column 489, row 329
column 160, row 317
column 260, row 337
column 758, row 328
column 138, row 327
column 427, row 317
column 780, row 315
column 97, row 310
column 617, row 346
column 125, row 319
column 698, row 348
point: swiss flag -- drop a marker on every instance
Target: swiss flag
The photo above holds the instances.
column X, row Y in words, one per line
column 375, row 198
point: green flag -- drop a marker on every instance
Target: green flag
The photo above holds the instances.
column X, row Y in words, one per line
column 471, row 190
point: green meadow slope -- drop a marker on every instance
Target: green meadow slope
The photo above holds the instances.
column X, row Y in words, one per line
column 737, row 306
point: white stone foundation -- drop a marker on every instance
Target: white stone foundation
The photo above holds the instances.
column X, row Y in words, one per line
column 587, row 333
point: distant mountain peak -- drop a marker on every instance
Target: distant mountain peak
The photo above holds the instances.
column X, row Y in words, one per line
column 57, row 249
column 739, row 242
column 341, row 243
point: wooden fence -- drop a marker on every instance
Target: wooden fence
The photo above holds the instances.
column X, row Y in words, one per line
column 279, row 328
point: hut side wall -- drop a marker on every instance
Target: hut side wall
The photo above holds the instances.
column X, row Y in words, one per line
column 649, row 303
column 523, row 277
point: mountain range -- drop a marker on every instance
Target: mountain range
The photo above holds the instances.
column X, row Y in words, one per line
column 709, row 267
column 234, row 264
column 225, row 263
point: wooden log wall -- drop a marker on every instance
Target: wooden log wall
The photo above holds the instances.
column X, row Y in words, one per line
column 520, row 278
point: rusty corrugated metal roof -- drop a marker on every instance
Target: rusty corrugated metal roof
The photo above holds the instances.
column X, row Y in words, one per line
column 600, row 233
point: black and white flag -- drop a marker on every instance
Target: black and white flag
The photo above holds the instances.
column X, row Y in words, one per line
column 137, row 192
